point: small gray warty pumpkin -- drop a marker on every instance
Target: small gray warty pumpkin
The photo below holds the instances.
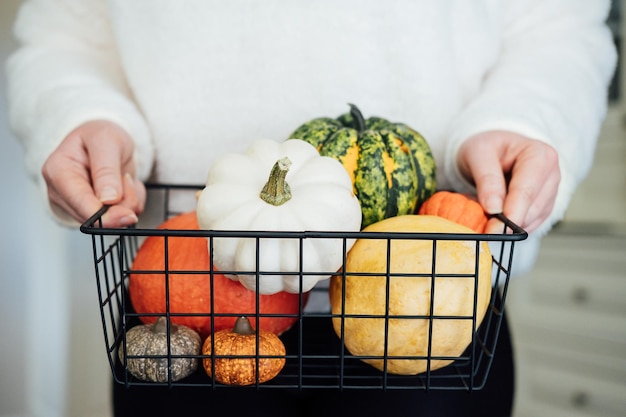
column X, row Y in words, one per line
column 151, row 340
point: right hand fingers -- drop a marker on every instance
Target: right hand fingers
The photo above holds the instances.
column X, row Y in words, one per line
column 125, row 212
column 109, row 150
column 90, row 161
column 72, row 193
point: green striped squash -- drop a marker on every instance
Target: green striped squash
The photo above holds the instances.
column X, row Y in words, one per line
column 391, row 165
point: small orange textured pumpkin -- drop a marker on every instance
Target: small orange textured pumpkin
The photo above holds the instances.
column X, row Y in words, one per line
column 229, row 369
column 191, row 293
column 456, row 207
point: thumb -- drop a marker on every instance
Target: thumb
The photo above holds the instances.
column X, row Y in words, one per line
column 106, row 155
column 482, row 165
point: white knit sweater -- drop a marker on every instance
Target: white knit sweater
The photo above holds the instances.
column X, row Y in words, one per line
column 191, row 80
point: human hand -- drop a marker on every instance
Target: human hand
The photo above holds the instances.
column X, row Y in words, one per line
column 93, row 166
column 513, row 175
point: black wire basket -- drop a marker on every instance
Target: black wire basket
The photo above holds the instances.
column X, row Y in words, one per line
column 316, row 356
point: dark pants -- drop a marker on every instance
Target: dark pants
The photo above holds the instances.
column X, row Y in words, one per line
column 495, row 399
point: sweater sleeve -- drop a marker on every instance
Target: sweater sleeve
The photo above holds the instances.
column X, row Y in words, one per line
column 550, row 83
column 66, row 71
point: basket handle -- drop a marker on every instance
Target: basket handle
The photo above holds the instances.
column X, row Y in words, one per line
column 89, row 224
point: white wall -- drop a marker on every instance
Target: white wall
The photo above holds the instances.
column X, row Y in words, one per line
column 52, row 356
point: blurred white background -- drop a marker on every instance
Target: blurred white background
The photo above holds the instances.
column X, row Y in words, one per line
column 52, row 356
column 566, row 316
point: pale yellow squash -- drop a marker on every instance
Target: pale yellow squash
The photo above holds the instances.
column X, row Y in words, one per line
column 453, row 296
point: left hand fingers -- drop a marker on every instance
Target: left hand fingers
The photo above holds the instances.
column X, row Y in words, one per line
column 513, row 174
column 531, row 193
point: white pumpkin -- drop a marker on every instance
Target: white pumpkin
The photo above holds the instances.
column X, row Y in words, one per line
column 305, row 192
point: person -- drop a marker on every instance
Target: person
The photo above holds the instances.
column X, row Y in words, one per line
column 106, row 95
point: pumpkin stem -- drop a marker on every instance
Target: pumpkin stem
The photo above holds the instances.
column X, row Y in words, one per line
column 243, row 326
column 160, row 326
column 359, row 120
column 276, row 190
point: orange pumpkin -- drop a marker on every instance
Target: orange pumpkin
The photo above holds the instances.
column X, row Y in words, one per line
column 191, row 293
column 458, row 208
column 241, row 340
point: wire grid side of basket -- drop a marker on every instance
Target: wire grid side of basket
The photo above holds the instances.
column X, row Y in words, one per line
column 306, row 368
